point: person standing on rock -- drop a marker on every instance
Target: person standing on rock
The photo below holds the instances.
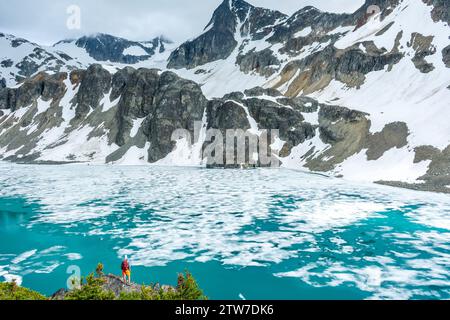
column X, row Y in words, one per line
column 126, row 270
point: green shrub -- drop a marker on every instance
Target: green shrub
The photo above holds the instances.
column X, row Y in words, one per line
column 91, row 290
column 188, row 289
column 99, row 270
column 11, row 291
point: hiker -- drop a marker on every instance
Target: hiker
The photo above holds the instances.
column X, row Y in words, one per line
column 126, row 270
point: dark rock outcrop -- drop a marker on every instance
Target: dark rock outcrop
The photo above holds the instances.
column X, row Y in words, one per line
column 439, row 169
column 329, row 118
column 346, row 132
column 437, row 178
column 48, row 87
column 105, row 47
column 263, row 62
column 178, row 104
column 96, row 83
column 446, row 56
column 218, row 41
column 319, row 21
column 393, row 135
column 302, row 104
column 441, row 10
column 7, row 63
column 423, row 47
column 317, row 70
column 289, row 122
column 258, row 91
column 137, row 89
column 225, row 115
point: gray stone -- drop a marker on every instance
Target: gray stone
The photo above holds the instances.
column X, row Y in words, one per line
column 446, row 56
column 263, row 62
column 219, row 41
column 393, row 135
column 7, row 63
column 178, row 104
column 258, row 91
column 96, row 83
column 105, row 47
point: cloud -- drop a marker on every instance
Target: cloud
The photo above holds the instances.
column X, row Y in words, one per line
column 44, row 21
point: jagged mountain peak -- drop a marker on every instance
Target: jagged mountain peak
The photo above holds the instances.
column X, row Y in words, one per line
column 113, row 49
column 308, row 9
column 304, row 62
column 230, row 12
column 233, row 19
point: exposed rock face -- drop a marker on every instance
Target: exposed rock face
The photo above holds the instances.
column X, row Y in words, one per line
column 316, row 71
column 218, row 41
column 319, row 21
column 424, row 48
column 96, row 83
column 178, row 104
column 438, row 174
column 225, row 115
column 147, row 106
column 446, row 56
column 42, row 85
column 393, row 135
column 302, row 104
column 166, row 103
column 290, row 122
column 437, row 178
column 263, row 62
column 7, row 63
column 347, row 133
column 439, row 169
column 344, row 130
column 441, row 10
column 137, row 89
column 2, row 89
column 104, row 47
column 230, row 113
column 160, row 102
column 133, row 113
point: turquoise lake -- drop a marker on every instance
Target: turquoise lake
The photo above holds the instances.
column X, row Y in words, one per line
column 253, row 234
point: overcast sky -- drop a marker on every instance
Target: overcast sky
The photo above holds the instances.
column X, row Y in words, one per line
column 45, row 21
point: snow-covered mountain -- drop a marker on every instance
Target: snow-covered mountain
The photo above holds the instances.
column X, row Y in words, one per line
column 364, row 95
column 20, row 58
column 117, row 51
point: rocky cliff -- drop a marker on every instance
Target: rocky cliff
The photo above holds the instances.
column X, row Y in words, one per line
column 361, row 95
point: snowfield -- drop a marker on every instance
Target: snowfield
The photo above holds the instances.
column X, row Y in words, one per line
column 400, row 93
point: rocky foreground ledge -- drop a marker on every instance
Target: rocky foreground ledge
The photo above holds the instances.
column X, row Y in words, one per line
column 111, row 287
column 114, row 286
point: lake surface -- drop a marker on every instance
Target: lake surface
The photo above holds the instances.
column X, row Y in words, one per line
column 254, row 234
